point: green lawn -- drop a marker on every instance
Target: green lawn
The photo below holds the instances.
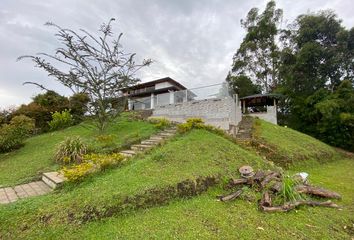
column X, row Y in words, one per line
column 176, row 161
column 59, row 215
column 36, row 157
column 292, row 147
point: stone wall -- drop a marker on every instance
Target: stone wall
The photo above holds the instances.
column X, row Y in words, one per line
column 220, row 112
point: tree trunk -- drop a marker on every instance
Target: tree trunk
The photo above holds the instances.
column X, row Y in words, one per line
column 317, row 191
column 290, row 206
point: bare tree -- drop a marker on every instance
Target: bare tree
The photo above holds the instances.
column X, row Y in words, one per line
column 95, row 65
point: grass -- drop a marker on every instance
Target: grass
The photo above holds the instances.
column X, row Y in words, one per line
column 176, row 161
column 287, row 147
column 36, row 157
column 198, row 153
column 204, row 218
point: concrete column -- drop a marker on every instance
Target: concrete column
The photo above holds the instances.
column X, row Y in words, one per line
column 152, row 104
column 186, row 96
column 130, row 104
column 244, row 107
column 172, row 97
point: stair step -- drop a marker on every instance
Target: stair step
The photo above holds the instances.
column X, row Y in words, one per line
column 151, row 142
column 140, row 147
column 128, row 152
column 53, row 179
column 156, row 138
column 165, row 134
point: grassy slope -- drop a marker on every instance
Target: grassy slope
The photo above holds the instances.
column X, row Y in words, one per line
column 36, row 156
column 293, row 147
column 176, row 161
column 204, row 218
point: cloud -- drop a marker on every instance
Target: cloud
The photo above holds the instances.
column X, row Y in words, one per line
column 190, row 41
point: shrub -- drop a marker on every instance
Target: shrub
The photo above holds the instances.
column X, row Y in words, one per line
column 61, row 120
column 160, row 123
column 92, row 163
column 12, row 135
column 104, row 161
column 71, row 150
column 78, row 105
column 106, row 140
column 78, row 172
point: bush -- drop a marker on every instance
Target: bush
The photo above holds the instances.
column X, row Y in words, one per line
column 92, row 163
column 12, row 135
column 160, row 123
column 198, row 123
column 71, row 150
column 78, row 172
column 61, row 120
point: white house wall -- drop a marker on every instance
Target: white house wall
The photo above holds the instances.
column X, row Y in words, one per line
column 221, row 112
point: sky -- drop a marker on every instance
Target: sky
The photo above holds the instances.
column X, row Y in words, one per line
column 191, row 41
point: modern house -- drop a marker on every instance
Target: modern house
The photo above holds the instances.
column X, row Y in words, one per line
column 156, row 93
column 171, row 100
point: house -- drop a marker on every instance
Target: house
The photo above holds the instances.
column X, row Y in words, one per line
column 159, row 92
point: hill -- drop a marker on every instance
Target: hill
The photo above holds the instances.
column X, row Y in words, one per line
column 139, row 199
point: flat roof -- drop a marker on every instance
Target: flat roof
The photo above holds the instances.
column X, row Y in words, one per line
column 152, row 83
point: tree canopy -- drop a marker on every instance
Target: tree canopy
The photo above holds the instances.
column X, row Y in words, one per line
column 95, row 65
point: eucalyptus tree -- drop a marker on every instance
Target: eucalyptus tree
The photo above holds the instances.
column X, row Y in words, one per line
column 95, row 65
column 258, row 55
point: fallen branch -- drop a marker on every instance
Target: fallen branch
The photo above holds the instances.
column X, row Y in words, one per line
column 290, row 206
column 269, row 178
column 317, row 191
column 266, row 200
column 231, row 196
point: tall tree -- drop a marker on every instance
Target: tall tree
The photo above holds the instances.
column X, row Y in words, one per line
column 258, row 55
column 95, row 65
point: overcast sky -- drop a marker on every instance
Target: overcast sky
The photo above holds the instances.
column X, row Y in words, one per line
column 191, row 41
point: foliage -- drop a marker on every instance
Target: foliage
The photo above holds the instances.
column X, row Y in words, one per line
column 257, row 58
column 288, row 192
column 242, row 85
column 160, row 123
column 61, row 120
column 95, row 65
column 12, row 135
column 91, row 163
column 78, row 171
column 198, row 123
column 37, row 154
column 71, row 150
column 78, row 103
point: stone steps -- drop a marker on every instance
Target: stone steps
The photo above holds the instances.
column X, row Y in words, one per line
column 53, row 179
column 245, row 129
column 150, row 143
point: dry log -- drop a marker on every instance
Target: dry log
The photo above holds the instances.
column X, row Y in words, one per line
column 266, row 200
column 269, row 178
column 235, row 182
column 231, row 196
column 276, row 187
column 290, row 206
column 317, row 191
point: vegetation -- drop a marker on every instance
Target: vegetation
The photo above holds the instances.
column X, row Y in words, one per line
column 12, row 135
column 43, row 105
column 309, row 61
column 286, row 147
column 71, row 150
column 38, row 151
column 95, row 65
column 61, row 120
column 73, row 212
column 92, row 163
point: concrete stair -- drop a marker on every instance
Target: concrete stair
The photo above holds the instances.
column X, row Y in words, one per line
column 150, row 143
column 53, row 179
column 245, row 129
